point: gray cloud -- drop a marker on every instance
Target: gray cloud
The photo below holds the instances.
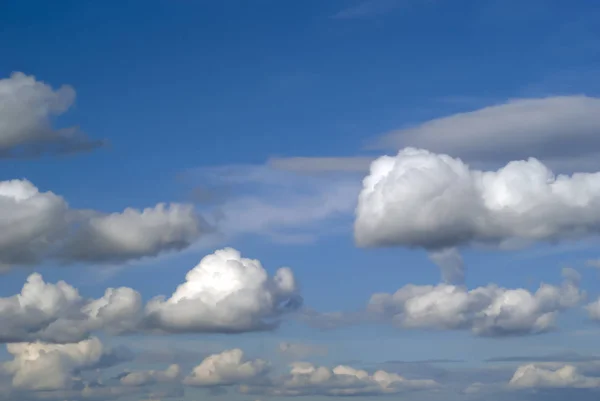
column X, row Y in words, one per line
column 558, row 130
column 28, row 108
column 35, row 226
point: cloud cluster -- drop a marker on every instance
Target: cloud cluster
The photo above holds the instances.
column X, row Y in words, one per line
column 489, row 311
column 223, row 293
column 28, row 108
column 38, row 225
column 307, row 379
column 433, row 201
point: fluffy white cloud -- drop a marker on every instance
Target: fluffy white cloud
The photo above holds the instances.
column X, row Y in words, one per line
column 486, row 311
column 565, row 376
column 35, row 225
column 40, row 366
column 490, row 311
column 28, row 107
column 147, row 377
column 308, row 379
column 226, row 368
column 422, row 199
column 560, row 130
column 226, row 293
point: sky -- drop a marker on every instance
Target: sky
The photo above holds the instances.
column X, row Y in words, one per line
column 259, row 200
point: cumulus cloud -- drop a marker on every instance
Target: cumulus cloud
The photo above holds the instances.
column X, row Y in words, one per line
column 147, row 377
column 133, row 234
column 433, row 201
column 565, row 376
column 307, row 379
column 28, row 108
column 226, row 368
column 36, row 225
column 593, row 310
column 560, row 130
column 40, row 366
column 226, row 293
column 57, row 313
column 489, row 311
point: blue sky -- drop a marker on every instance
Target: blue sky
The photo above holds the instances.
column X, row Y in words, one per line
column 208, row 103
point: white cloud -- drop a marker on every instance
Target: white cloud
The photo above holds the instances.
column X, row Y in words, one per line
column 226, row 368
column 28, row 107
column 489, row 311
column 226, row 293
column 422, row 199
column 565, row 376
column 486, row 311
column 35, row 226
column 561, row 130
column 40, row 366
column 147, row 377
column 593, row 310
column 308, row 379
column 223, row 293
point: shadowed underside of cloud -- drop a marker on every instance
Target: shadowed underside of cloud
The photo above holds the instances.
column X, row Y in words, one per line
column 28, row 108
column 224, row 293
column 37, row 226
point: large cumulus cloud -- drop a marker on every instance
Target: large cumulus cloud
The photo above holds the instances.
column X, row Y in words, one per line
column 36, row 225
column 433, row 201
column 226, row 293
